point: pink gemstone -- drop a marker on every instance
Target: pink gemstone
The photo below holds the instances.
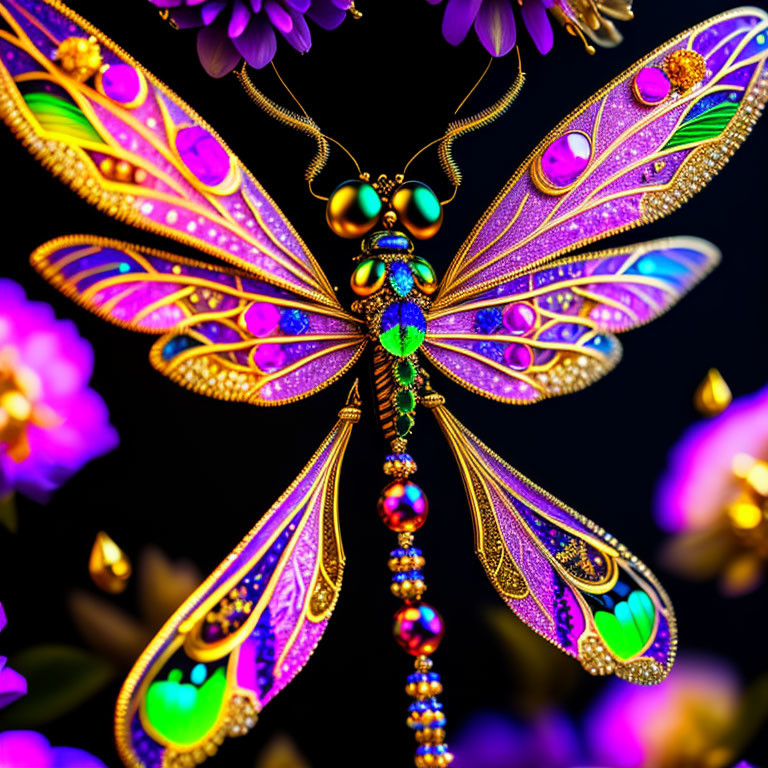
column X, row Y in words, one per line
column 262, row 319
column 652, row 86
column 121, row 83
column 518, row 357
column 519, row 318
column 203, row 155
column 565, row 159
column 269, row 357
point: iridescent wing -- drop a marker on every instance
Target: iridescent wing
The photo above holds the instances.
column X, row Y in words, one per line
column 632, row 153
column 562, row 575
column 247, row 631
column 225, row 333
column 127, row 144
column 550, row 330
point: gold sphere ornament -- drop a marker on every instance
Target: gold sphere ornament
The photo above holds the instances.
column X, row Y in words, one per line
column 80, row 57
column 418, row 208
column 353, row 209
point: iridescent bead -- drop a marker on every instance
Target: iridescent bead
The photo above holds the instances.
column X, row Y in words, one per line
column 651, row 86
column 400, row 278
column 203, row 155
column 368, row 277
column 518, row 357
column 261, row 319
column 418, row 629
column 418, row 208
column 403, row 506
column 563, row 161
column 519, row 318
column 424, row 275
column 353, row 209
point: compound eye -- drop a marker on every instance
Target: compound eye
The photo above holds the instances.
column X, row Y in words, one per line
column 418, row 208
column 353, row 209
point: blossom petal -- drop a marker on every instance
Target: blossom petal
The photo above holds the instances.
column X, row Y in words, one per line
column 69, row 757
column 27, row 748
column 537, row 23
column 241, row 15
column 256, row 5
column 299, row 37
column 211, row 10
column 495, row 26
column 325, row 14
column 279, row 17
column 12, row 685
column 302, row 6
column 458, row 19
column 257, row 45
column 187, row 18
column 217, row 53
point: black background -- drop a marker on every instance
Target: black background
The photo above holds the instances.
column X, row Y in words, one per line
column 192, row 475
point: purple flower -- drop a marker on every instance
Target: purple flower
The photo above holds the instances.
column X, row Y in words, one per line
column 495, row 25
column 232, row 30
column 51, row 422
column 29, row 749
column 12, row 684
column 714, row 497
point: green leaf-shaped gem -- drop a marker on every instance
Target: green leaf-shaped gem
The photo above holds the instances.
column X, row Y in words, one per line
column 629, row 627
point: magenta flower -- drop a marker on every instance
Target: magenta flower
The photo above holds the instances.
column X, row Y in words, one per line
column 51, row 422
column 29, row 749
column 714, row 497
column 495, row 25
column 12, row 684
column 231, row 30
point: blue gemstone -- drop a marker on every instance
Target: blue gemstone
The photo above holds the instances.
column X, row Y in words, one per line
column 390, row 241
column 177, row 345
column 490, row 349
column 293, row 322
column 488, row 320
column 400, row 278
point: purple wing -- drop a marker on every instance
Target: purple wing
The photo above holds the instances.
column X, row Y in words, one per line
column 225, row 333
column 130, row 146
column 247, row 631
column 562, row 575
column 632, row 153
column 550, row 331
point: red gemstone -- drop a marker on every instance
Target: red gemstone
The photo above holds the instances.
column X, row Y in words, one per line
column 418, row 629
column 403, row 506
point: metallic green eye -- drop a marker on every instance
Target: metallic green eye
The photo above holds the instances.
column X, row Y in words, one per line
column 424, row 276
column 418, row 208
column 353, row 209
column 368, row 277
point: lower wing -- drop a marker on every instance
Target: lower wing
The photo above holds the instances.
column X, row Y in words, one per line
column 562, row 575
column 224, row 333
column 550, row 331
column 247, row 631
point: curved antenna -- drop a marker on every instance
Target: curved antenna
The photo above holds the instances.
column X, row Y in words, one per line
column 465, row 125
column 300, row 122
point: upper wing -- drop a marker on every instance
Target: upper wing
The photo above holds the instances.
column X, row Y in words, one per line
column 225, row 333
column 247, row 631
column 550, row 331
column 562, row 575
column 618, row 162
column 127, row 144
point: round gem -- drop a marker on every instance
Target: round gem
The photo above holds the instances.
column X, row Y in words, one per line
column 262, row 319
column 122, row 83
column 406, row 401
column 519, row 318
column 518, row 357
column 203, row 155
column 403, row 328
column 404, row 425
column 651, row 86
column 294, row 322
column 566, row 158
column 269, row 357
column 418, row 629
column 405, row 372
column 403, row 506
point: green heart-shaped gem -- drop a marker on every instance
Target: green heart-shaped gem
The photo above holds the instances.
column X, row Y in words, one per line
column 629, row 627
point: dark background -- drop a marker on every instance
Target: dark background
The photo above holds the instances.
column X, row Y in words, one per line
column 192, row 475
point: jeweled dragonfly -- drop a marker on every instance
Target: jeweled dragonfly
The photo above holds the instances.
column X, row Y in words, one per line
column 516, row 318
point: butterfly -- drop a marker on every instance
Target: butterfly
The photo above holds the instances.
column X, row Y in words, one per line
column 518, row 317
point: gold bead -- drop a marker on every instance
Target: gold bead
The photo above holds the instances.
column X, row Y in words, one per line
column 713, row 395
column 685, row 69
column 108, row 565
column 80, row 57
